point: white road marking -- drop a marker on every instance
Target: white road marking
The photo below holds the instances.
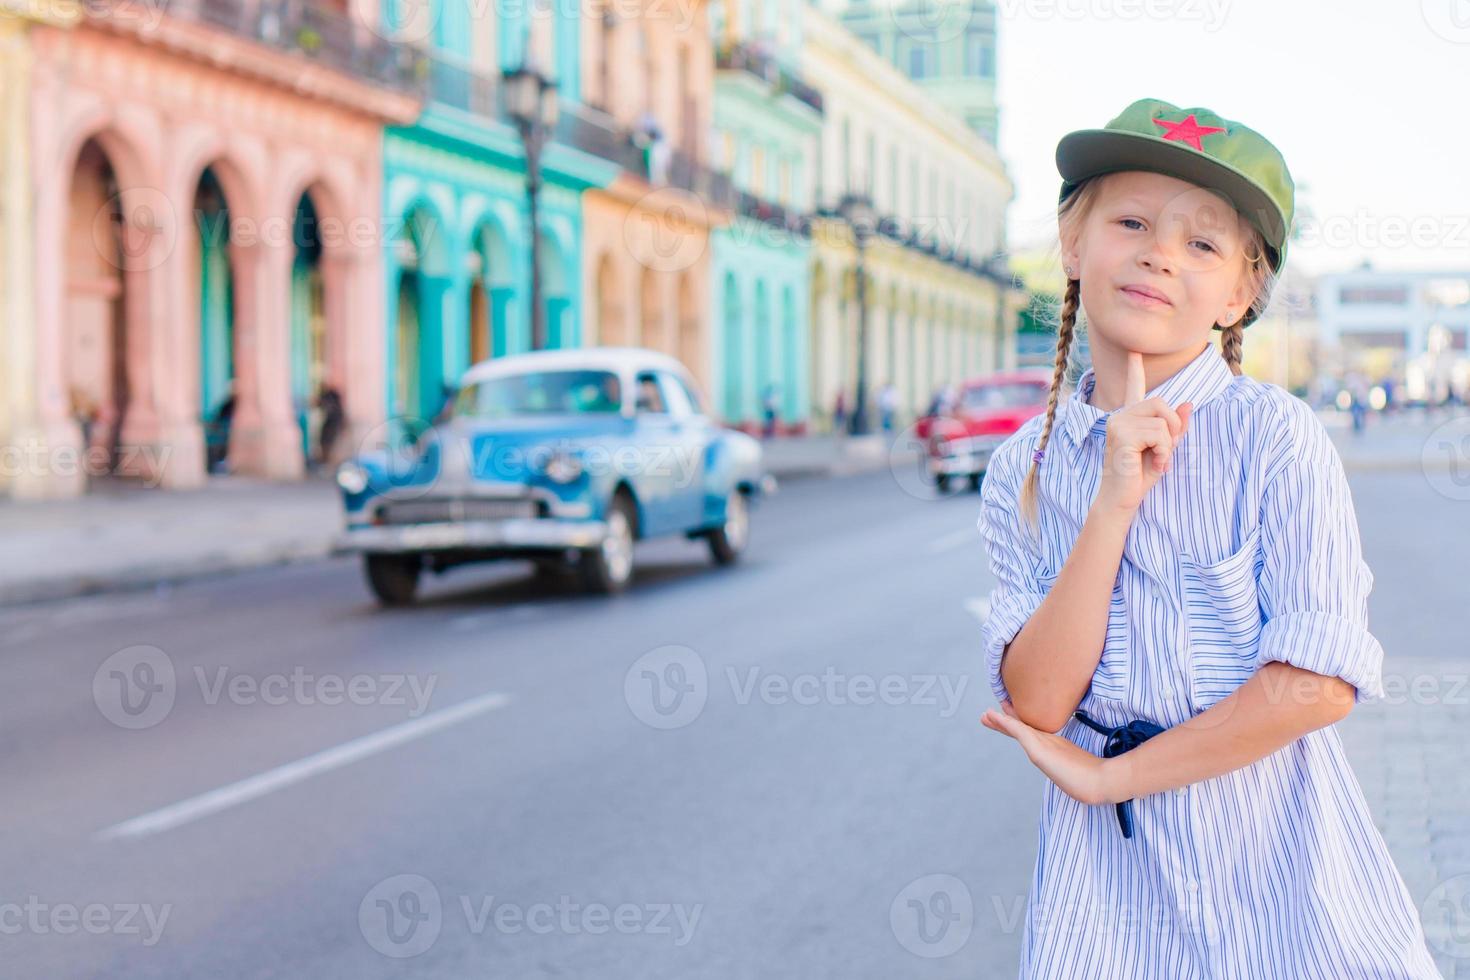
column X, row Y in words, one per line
column 253, row 787
column 953, row 540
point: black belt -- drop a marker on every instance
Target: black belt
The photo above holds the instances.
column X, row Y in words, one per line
column 1120, row 740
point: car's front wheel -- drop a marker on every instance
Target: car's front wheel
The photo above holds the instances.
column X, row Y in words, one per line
column 394, row 579
column 608, row 568
column 727, row 542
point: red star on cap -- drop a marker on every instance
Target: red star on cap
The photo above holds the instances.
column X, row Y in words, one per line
column 1189, row 131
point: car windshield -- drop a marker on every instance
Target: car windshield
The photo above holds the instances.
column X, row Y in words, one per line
column 541, row 393
column 1008, row 395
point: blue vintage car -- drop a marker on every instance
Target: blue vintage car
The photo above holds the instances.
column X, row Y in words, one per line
column 565, row 457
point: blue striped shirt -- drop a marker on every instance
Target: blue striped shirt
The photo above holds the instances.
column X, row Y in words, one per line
column 1244, row 552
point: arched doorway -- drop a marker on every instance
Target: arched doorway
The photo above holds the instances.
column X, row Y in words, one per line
column 492, row 289
column 316, row 396
column 733, row 329
column 689, row 332
column 417, row 384
column 651, row 311
column 555, row 294
column 791, row 356
column 217, row 355
column 764, row 371
column 99, row 355
column 612, row 322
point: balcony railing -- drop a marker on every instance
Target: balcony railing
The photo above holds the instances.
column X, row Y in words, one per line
column 712, row 186
column 462, row 87
column 310, row 29
column 739, row 56
column 773, row 214
column 594, row 131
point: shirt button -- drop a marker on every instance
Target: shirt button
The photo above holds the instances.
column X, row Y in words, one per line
column 1193, row 886
column 1179, row 791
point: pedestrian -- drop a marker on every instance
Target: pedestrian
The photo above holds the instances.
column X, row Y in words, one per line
column 839, row 413
column 1182, row 591
column 770, row 404
column 887, row 401
column 334, row 419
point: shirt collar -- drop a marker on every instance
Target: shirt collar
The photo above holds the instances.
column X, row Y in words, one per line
column 1199, row 381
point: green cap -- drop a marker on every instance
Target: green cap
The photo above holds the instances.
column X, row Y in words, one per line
column 1193, row 144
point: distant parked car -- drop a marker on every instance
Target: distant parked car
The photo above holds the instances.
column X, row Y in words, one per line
column 958, row 444
column 565, row 457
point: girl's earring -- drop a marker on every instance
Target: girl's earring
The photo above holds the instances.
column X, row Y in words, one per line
column 1070, row 274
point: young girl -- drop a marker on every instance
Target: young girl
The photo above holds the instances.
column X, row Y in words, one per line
column 1181, row 608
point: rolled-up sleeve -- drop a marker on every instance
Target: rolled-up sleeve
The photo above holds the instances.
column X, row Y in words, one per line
column 1314, row 583
column 1014, row 562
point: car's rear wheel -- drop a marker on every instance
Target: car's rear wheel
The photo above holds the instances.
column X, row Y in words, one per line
column 727, row 542
column 976, row 479
column 394, row 579
column 941, row 482
column 608, row 569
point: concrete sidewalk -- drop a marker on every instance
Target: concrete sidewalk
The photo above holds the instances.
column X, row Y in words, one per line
column 122, row 536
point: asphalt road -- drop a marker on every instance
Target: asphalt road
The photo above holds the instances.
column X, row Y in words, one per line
column 746, row 772
column 769, row 771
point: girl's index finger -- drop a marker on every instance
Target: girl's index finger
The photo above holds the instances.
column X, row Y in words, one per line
column 1133, row 387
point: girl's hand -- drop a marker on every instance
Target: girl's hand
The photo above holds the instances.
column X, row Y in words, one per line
column 1083, row 776
column 1140, row 443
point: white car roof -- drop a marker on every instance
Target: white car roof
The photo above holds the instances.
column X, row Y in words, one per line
column 622, row 360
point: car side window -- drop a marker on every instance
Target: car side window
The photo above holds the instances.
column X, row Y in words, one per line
column 675, row 395
column 695, row 405
column 650, row 398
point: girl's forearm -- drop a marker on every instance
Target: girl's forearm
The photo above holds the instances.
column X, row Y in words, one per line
column 1049, row 665
column 1277, row 706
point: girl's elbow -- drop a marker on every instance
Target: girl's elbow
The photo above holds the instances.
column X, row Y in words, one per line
column 1045, row 718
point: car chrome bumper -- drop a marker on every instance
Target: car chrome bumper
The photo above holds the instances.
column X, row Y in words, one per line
column 962, row 459
column 511, row 533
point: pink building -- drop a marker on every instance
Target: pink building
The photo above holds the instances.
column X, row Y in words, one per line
column 207, row 182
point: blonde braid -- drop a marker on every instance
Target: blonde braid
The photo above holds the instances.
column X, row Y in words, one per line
column 1071, row 299
column 1232, row 340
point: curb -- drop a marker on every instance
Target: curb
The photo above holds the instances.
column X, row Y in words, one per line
column 150, row 576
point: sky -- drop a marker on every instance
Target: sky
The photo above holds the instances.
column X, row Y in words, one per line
column 1364, row 100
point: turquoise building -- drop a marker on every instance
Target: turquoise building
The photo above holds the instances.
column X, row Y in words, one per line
column 456, row 216
column 767, row 123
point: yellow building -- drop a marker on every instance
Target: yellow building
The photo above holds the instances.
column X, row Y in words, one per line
column 941, row 306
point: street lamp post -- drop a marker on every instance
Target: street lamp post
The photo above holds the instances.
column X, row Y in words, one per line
column 857, row 210
column 531, row 101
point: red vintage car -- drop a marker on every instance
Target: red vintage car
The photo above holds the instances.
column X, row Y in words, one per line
column 959, row 438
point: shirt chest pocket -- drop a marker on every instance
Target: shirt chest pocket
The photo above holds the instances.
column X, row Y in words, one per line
column 1222, row 615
